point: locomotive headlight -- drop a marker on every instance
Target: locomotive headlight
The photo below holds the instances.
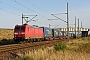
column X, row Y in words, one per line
column 23, row 33
column 15, row 33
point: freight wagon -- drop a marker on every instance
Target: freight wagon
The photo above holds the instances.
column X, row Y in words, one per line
column 55, row 34
column 60, row 33
column 63, row 35
column 47, row 33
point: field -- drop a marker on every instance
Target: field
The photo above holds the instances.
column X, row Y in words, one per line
column 77, row 49
column 6, row 33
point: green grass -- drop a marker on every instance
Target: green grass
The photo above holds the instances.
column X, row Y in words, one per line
column 60, row 46
column 27, row 58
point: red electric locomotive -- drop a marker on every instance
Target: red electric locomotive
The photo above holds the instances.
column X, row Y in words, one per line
column 28, row 33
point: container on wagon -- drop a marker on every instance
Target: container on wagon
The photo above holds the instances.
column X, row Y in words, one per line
column 55, row 33
column 47, row 32
column 63, row 33
column 60, row 33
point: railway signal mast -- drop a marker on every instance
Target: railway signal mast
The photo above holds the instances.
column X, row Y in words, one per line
column 25, row 17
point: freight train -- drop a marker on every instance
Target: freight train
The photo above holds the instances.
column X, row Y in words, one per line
column 29, row 33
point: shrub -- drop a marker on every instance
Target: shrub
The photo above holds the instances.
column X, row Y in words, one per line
column 27, row 58
column 60, row 46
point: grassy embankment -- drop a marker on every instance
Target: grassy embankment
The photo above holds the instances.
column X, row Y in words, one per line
column 78, row 49
column 6, row 36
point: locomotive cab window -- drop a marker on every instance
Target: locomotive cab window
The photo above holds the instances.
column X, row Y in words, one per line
column 17, row 28
column 20, row 28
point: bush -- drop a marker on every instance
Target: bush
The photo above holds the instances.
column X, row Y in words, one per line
column 27, row 58
column 60, row 46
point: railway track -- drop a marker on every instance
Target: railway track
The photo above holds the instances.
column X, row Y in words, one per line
column 16, row 48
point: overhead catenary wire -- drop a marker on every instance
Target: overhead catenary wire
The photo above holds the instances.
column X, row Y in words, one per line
column 29, row 9
column 39, row 9
column 70, row 8
column 13, row 12
column 9, row 11
column 71, row 11
column 31, row 19
column 66, row 0
column 37, row 6
column 58, row 18
column 12, row 6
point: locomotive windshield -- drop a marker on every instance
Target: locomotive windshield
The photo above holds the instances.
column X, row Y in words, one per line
column 22, row 28
column 19, row 28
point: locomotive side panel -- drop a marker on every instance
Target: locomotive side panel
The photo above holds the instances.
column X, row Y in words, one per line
column 33, row 32
column 38, row 33
column 41, row 33
column 27, row 31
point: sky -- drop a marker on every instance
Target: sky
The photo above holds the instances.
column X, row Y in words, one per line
column 11, row 12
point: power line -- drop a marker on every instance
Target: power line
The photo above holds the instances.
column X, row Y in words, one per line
column 23, row 6
column 39, row 8
column 59, row 18
column 28, row 8
column 36, row 6
column 9, row 12
column 12, row 6
column 70, row 8
column 66, row 1
column 71, row 11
